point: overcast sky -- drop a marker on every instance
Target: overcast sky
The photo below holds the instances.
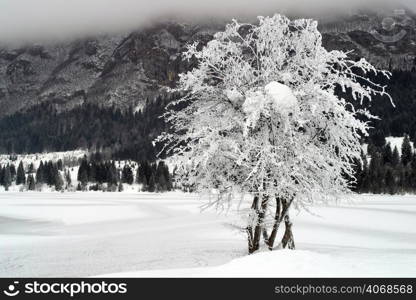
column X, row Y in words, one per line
column 36, row 20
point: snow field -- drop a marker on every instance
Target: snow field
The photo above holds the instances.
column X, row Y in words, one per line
column 159, row 235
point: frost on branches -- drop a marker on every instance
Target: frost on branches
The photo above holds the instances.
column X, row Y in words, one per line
column 259, row 118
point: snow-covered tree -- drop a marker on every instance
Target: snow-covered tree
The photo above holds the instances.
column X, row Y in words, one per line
column 261, row 117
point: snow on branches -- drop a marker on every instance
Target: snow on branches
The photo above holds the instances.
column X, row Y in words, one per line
column 260, row 116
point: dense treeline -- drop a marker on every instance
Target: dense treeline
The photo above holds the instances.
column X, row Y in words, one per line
column 48, row 173
column 153, row 177
column 94, row 173
column 119, row 134
column 384, row 170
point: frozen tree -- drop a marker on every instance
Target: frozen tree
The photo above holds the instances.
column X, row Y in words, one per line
column 260, row 117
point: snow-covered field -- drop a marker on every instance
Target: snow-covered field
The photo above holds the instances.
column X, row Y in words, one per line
column 141, row 234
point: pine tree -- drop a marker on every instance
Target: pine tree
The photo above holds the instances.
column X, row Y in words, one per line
column 113, row 174
column 127, row 175
column 406, row 151
column 390, row 182
column 387, row 154
column 145, row 186
column 31, row 183
column 365, row 175
column 152, row 184
column 31, row 168
column 376, row 174
column 60, row 165
column 49, row 173
column 92, row 174
column 396, row 157
column 21, row 177
column 82, row 176
column 138, row 174
column 2, row 170
column 57, row 180
column 68, row 178
column 413, row 173
column 7, row 178
column 143, row 172
column 40, row 174
column 13, row 172
column 161, row 183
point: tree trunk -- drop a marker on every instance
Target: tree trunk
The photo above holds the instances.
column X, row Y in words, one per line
column 277, row 221
column 254, row 237
column 287, row 240
column 249, row 228
column 259, row 230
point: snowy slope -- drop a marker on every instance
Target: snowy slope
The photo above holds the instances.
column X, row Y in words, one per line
column 143, row 234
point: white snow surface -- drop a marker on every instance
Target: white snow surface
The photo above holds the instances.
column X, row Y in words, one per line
column 165, row 235
column 276, row 95
column 281, row 95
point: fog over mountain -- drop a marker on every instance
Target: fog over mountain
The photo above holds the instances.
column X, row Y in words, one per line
column 26, row 21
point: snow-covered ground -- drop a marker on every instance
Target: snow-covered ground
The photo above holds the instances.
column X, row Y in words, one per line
column 142, row 234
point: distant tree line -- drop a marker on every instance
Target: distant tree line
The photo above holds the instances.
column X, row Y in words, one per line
column 47, row 173
column 384, row 170
column 94, row 173
column 153, row 177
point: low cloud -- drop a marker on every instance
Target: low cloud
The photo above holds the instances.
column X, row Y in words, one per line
column 37, row 20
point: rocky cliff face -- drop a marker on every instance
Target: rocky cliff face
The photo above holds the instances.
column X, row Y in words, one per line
column 121, row 70
column 387, row 39
column 125, row 70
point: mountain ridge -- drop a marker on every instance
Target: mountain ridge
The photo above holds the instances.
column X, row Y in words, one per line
column 126, row 69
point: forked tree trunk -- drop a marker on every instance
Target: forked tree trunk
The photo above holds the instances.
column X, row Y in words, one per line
column 287, row 240
column 259, row 230
column 277, row 220
column 254, row 236
column 282, row 213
